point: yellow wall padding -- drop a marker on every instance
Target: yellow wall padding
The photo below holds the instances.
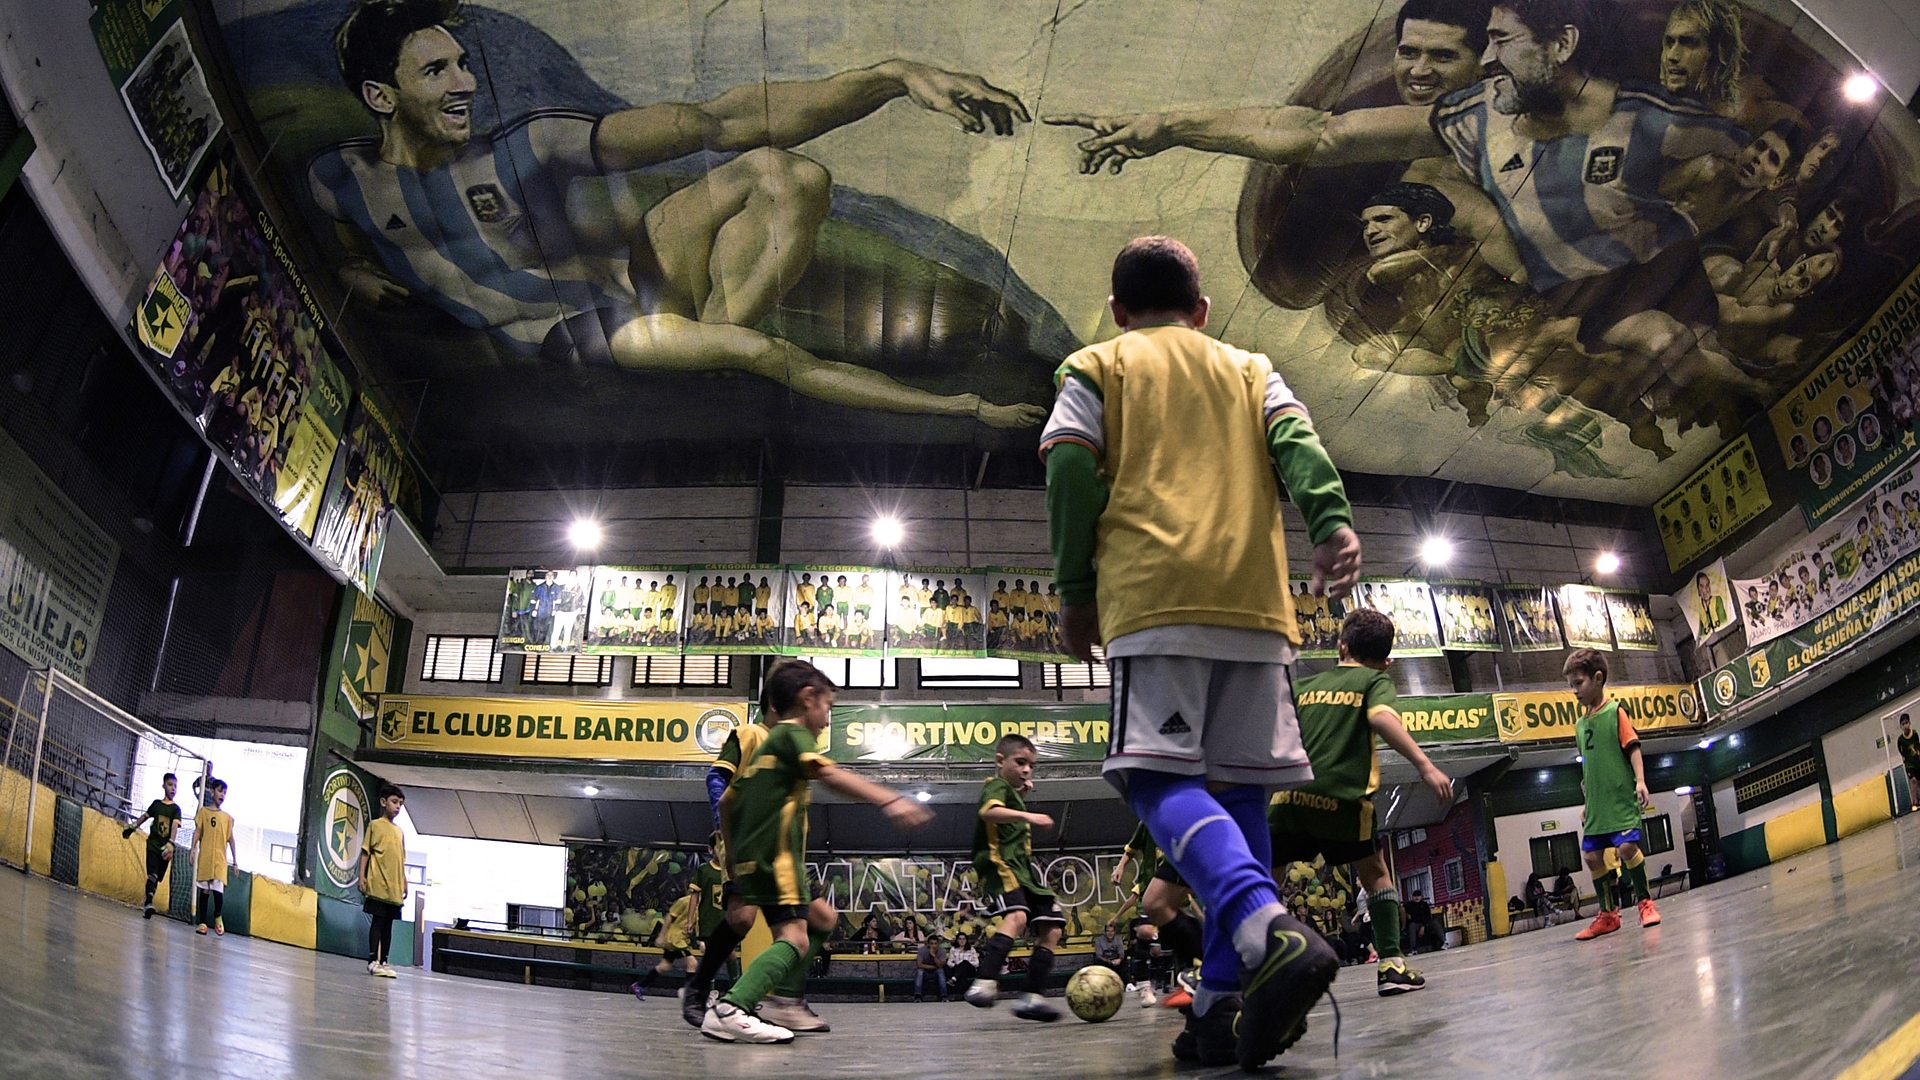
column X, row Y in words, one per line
column 1861, row 806
column 1795, row 831
column 109, row 866
column 285, row 913
column 13, row 823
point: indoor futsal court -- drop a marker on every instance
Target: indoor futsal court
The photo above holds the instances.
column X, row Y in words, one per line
column 1785, row 972
column 1095, row 538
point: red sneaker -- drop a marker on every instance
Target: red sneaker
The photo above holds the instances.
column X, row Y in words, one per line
column 1649, row 915
column 1179, row 999
column 1604, row 923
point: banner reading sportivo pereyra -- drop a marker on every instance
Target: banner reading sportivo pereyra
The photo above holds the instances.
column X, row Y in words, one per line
column 569, row 728
column 55, row 569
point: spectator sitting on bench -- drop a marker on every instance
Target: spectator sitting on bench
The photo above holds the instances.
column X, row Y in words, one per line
column 1534, row 895
column 1421, row 925
column 1109, row 950
column 930, row 963
column 962, row 961
column 1564, row 893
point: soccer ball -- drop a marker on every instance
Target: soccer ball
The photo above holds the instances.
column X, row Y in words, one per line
column 1094, row 993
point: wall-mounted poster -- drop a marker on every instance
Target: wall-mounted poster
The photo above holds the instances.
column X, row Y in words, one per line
column 1583, row 612
column 1410, row 605
column 1712, row 504
column 1850, row 421
column 1707, row 603
column 735, row 608
column 149, row 58
column 1319, row 620
column 1023, row 616
column 1467, row 622
column 836, row 611
column 1527, row 611
column 545, row 610
column 941, row 611
column 635, row 610
column 1830, row 566
column 1631, row 617
column 368, row 468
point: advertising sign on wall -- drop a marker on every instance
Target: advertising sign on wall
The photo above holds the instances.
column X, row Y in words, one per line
column 56, row 567
column 558, row 728
column 1849, row 422
column 1712, row 504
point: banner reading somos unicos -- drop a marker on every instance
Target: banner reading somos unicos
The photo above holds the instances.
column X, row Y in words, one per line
column 565, row 728
column 1550, row 714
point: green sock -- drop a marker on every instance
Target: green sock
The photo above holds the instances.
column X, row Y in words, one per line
column 1637, row 877
column 1384, row 909
column 795, row 985
column 768, row 970
column 1603, row 885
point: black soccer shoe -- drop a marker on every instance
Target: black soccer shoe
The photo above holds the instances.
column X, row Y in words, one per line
column 1277, row 993
column 1208, row 1040
column 693, row 1006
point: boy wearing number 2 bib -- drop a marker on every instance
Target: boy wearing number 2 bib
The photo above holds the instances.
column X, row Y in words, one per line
column 1615, row 779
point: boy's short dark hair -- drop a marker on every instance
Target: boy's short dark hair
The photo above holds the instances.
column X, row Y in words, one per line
column 1012, row 743
column 1589, row 661
column 1367, row 635
column 387, row 790
column 1156, row 273
column 169, row 776
column 784, row 683
column 216, row 784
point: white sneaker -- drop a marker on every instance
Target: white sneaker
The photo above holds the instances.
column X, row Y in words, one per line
column 387, row 972
column 1147, row 1000
column 1133, row 988
column 373, row 967
column 726, row 1023
column 983, row 993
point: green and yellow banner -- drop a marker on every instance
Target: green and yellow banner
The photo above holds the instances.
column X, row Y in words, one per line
column 1550, row 714
column 1448, row 718
column 1839, row 429
column 558, row 728
column 966, row 734
column 1714, row 503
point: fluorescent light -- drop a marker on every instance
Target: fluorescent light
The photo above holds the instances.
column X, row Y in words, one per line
column 1607, row 563
column 1577, row 759
column 1706, row 744
column 923, row 796
column 1860, row 88
column 888, row 531
column 585, row 534
column 1733, row 740
column 590, row 791
column 1683, row 789
column 1546, row 775
column 1436, row 551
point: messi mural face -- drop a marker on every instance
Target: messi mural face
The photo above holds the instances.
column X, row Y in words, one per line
column 1560, row 245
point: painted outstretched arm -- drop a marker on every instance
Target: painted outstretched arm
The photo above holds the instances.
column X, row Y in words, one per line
column 784, row 114
column 1285, row 134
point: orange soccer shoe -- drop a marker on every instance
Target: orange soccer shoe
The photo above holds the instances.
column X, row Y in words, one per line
column 1604, row 923
column 1649, row 915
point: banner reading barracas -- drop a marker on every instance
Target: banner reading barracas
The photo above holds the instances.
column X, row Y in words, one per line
column 1448, row 718
column 1894, row 593
column 568, row 728
column 1549, row 714
column 1850, row 421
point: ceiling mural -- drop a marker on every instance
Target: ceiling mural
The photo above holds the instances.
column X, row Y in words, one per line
column 1527, row 246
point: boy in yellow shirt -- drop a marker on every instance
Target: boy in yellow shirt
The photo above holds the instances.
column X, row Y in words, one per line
column 212, row 849
column 383, row 879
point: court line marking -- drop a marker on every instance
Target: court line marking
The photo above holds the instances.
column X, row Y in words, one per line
column 1892, row 1057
